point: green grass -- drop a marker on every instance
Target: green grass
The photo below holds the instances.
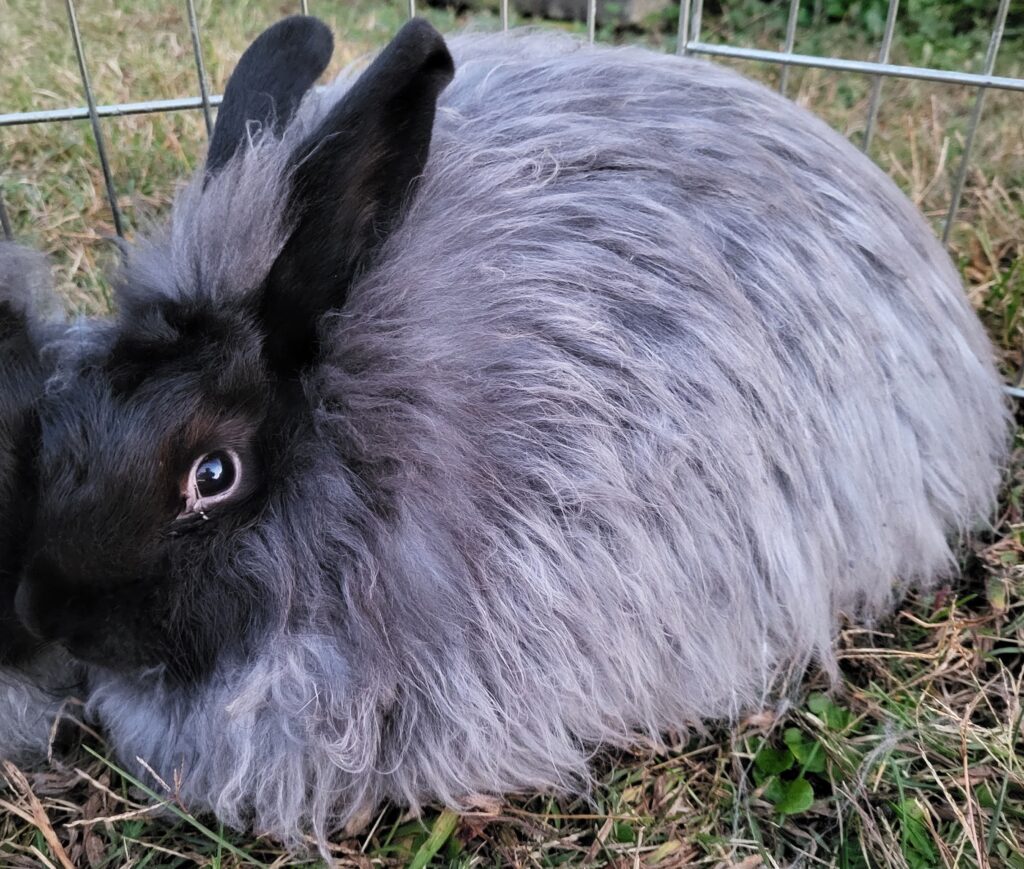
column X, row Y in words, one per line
column 914, row 760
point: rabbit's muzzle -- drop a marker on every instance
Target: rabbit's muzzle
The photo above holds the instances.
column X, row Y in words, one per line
column 111, row 626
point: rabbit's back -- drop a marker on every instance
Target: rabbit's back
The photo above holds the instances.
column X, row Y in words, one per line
column 679, row 353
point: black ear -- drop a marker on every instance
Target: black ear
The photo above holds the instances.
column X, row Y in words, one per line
column 351, row 178
column 269, row 82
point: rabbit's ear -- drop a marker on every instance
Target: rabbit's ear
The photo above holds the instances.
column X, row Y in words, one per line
column 351, row 178
column 271, row 78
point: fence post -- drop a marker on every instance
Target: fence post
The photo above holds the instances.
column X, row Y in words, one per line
column 794, row 13
column 197, row 51
column 972, row 127
column 94, row 118
column 683, row 37
column 5, row 221
column 876, row 88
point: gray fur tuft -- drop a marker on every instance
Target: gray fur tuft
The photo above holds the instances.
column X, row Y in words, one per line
column 33, row 699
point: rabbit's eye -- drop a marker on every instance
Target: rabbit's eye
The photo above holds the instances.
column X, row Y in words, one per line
column 213, row 478
column 214, row 474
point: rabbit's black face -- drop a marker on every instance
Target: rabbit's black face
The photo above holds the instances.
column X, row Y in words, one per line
column 170, row 460
column 20, row 385
column 152, row 466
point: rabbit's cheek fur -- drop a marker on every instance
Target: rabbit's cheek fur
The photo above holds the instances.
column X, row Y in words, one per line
column 176, row 605
column 176, row 620
column 132, row 581
column 169, row 604
column 117, row 620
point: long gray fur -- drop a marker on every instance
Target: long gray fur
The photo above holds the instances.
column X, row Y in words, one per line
column 660, row 375
column 34, row 698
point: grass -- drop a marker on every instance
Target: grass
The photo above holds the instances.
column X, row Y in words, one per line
column 916, row 758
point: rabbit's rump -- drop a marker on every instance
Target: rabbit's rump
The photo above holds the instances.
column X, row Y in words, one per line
column 657, row 377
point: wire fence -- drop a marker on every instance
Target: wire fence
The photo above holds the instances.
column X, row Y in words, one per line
column 689, row 42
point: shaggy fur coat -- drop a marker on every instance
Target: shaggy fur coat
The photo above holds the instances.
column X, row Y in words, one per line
column 657, row 376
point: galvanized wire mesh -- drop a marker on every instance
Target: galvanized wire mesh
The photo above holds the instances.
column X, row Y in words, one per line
column 689, row 42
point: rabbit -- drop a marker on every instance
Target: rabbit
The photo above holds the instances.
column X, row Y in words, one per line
column 510, row 399
column 35, row 681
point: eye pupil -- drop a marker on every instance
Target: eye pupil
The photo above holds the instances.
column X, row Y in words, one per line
column 214, row 474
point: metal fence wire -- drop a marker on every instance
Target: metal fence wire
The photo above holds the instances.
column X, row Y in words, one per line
column 689, row 42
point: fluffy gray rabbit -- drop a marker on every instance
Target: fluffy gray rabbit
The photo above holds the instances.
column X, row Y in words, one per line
column 35, row 680
column 473, row 413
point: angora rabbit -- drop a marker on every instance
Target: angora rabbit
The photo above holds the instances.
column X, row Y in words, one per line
column 33, row 680
column 428, row 452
